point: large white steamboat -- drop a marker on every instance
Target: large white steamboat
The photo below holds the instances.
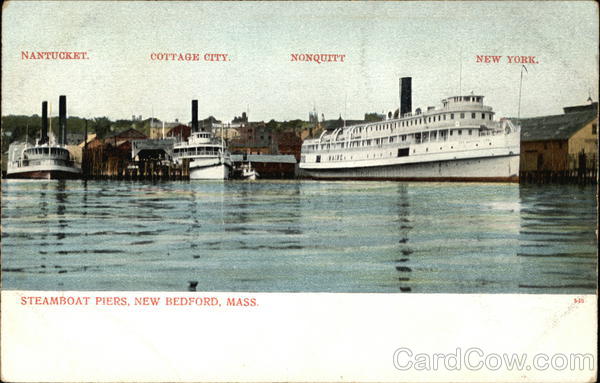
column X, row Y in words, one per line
column 208, row 157
column 461, row 141
column 47, row 159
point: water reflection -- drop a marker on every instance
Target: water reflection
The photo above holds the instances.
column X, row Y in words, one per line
column 405, row 251
column 194, row 219
column 298, row 236
column 43, row 210
column 557, row 249
column 84, row 198
column 236, row 214
column 61, row 203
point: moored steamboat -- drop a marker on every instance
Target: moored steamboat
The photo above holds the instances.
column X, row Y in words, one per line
column 207, row 156
column 47, row 159
column 461, row 141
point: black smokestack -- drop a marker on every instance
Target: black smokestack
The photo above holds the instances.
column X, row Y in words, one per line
column 194, row 115
column 405, row 95
column 62, row 120
column 44, row 137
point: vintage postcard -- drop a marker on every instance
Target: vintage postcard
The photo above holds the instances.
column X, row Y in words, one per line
column 299, row 191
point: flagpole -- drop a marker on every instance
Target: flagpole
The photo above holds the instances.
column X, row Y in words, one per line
column 520, row 86
column 460, row 75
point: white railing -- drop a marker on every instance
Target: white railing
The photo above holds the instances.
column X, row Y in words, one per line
column 196, row 153
column 57, row 162
column 399, row 143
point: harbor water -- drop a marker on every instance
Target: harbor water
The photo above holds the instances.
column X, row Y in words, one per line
column 298, row 236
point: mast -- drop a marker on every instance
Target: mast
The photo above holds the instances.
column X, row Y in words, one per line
column 520, row 86
column 50, row 127
column 460, row 75
column 460, row 79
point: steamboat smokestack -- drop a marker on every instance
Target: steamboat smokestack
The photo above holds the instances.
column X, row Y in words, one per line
column 44, row 136
column 405, row 95
column 62, row 120
column 194, row 115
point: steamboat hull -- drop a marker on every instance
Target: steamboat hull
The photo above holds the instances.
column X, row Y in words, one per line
column 209, row 172
column 485, row 169
column 45, row 174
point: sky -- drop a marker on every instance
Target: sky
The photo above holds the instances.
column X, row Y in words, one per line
column 435, row 43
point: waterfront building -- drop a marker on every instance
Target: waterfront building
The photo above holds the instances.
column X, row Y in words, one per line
column 180, row 132
column 108, row 156
column 229, row 131
column 254, row 138
column 119, row 138
column 561, row 143
column 289, row 143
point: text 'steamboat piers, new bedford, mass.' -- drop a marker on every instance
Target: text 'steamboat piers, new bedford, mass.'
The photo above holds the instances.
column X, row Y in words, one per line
column 459, row 142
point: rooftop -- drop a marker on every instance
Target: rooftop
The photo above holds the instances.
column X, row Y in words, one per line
column 558, row 127
column 129, row 133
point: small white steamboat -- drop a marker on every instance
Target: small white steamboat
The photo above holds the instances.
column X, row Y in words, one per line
column 208, row 156
column 245, row 171
column 47, row 159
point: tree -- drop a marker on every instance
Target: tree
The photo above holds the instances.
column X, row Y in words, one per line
column 101, row 126
column 372, row 117
column 272, row 125
column 293, row 125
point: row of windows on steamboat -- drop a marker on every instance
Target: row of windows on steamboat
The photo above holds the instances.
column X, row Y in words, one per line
column 45, row 150
column 424, row 120
column 477, row 99
column 420, row 137
column 198, row 150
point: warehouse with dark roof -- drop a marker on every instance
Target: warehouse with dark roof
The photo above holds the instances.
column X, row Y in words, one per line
column 560, row 144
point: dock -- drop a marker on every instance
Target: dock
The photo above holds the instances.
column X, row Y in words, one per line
column 140, row 159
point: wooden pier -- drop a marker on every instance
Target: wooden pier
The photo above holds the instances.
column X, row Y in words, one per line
column 578, row 169
column 575, row 176
column 107, row 163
